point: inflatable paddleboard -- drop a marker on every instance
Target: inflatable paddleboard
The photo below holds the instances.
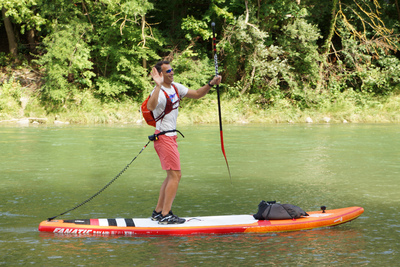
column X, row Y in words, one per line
column 226, row 224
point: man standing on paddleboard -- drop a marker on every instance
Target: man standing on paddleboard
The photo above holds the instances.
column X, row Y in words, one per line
column 165, row 144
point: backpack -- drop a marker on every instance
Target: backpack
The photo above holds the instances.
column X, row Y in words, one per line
column 275, row 211
column 148, row 115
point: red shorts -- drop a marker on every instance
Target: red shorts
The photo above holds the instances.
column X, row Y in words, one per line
column 167, row 150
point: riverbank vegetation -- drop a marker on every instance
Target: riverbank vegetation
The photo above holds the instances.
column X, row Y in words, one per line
column 281, row 61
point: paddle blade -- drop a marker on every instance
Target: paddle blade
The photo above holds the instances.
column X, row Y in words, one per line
column 223, row 152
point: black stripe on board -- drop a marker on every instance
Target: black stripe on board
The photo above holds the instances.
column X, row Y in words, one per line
column 129, row 223
column 82, row 221
column 112, row 222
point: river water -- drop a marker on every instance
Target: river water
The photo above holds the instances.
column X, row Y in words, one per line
column 46, row 170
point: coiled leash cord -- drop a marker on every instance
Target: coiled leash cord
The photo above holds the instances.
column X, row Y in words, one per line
column 153, row 137
column 107, row 185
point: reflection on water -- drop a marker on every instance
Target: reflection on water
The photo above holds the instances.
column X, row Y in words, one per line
column 47, row 170
column 326, row 247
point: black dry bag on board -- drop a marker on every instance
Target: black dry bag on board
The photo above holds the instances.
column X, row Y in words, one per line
column 275, row 211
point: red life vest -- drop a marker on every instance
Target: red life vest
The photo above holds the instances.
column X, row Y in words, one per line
column 148, row 115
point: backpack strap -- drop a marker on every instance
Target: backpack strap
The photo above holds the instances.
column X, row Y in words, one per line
column 169, row 105
column 163, row 113
column 176, row 90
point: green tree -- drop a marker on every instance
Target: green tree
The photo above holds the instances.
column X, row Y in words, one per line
column 21, row 13
column 268, row 58
column 67, row 61
column 100, row 46
column 364, row 53
column 270, row 49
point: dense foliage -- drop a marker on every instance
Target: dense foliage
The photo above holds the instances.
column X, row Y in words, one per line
column 291, row 50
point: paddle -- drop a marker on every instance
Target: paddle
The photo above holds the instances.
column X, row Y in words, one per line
column 219, row 101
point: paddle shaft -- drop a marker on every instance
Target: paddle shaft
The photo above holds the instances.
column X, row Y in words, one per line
column 219, row 101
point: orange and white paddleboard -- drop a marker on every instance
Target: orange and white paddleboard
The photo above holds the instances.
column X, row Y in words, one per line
column 226, row 224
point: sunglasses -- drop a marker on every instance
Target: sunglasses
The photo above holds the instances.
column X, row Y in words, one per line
column 169, row 71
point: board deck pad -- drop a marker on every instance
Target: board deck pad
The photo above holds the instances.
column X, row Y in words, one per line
column 223, row 224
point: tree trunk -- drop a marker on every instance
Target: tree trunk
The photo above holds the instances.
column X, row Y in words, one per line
column 12, row 42
column 31, row 40
column 144, row 62
column 327, row 44
column 248, row 84
column 398, row 9
column 332, row 27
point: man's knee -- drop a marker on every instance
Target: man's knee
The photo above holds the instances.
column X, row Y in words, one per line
column 176, row 175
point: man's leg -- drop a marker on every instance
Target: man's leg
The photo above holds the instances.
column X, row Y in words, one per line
column 168, row 191
column 161, row 196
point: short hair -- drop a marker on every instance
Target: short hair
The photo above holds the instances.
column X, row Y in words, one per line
column 159, row 64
